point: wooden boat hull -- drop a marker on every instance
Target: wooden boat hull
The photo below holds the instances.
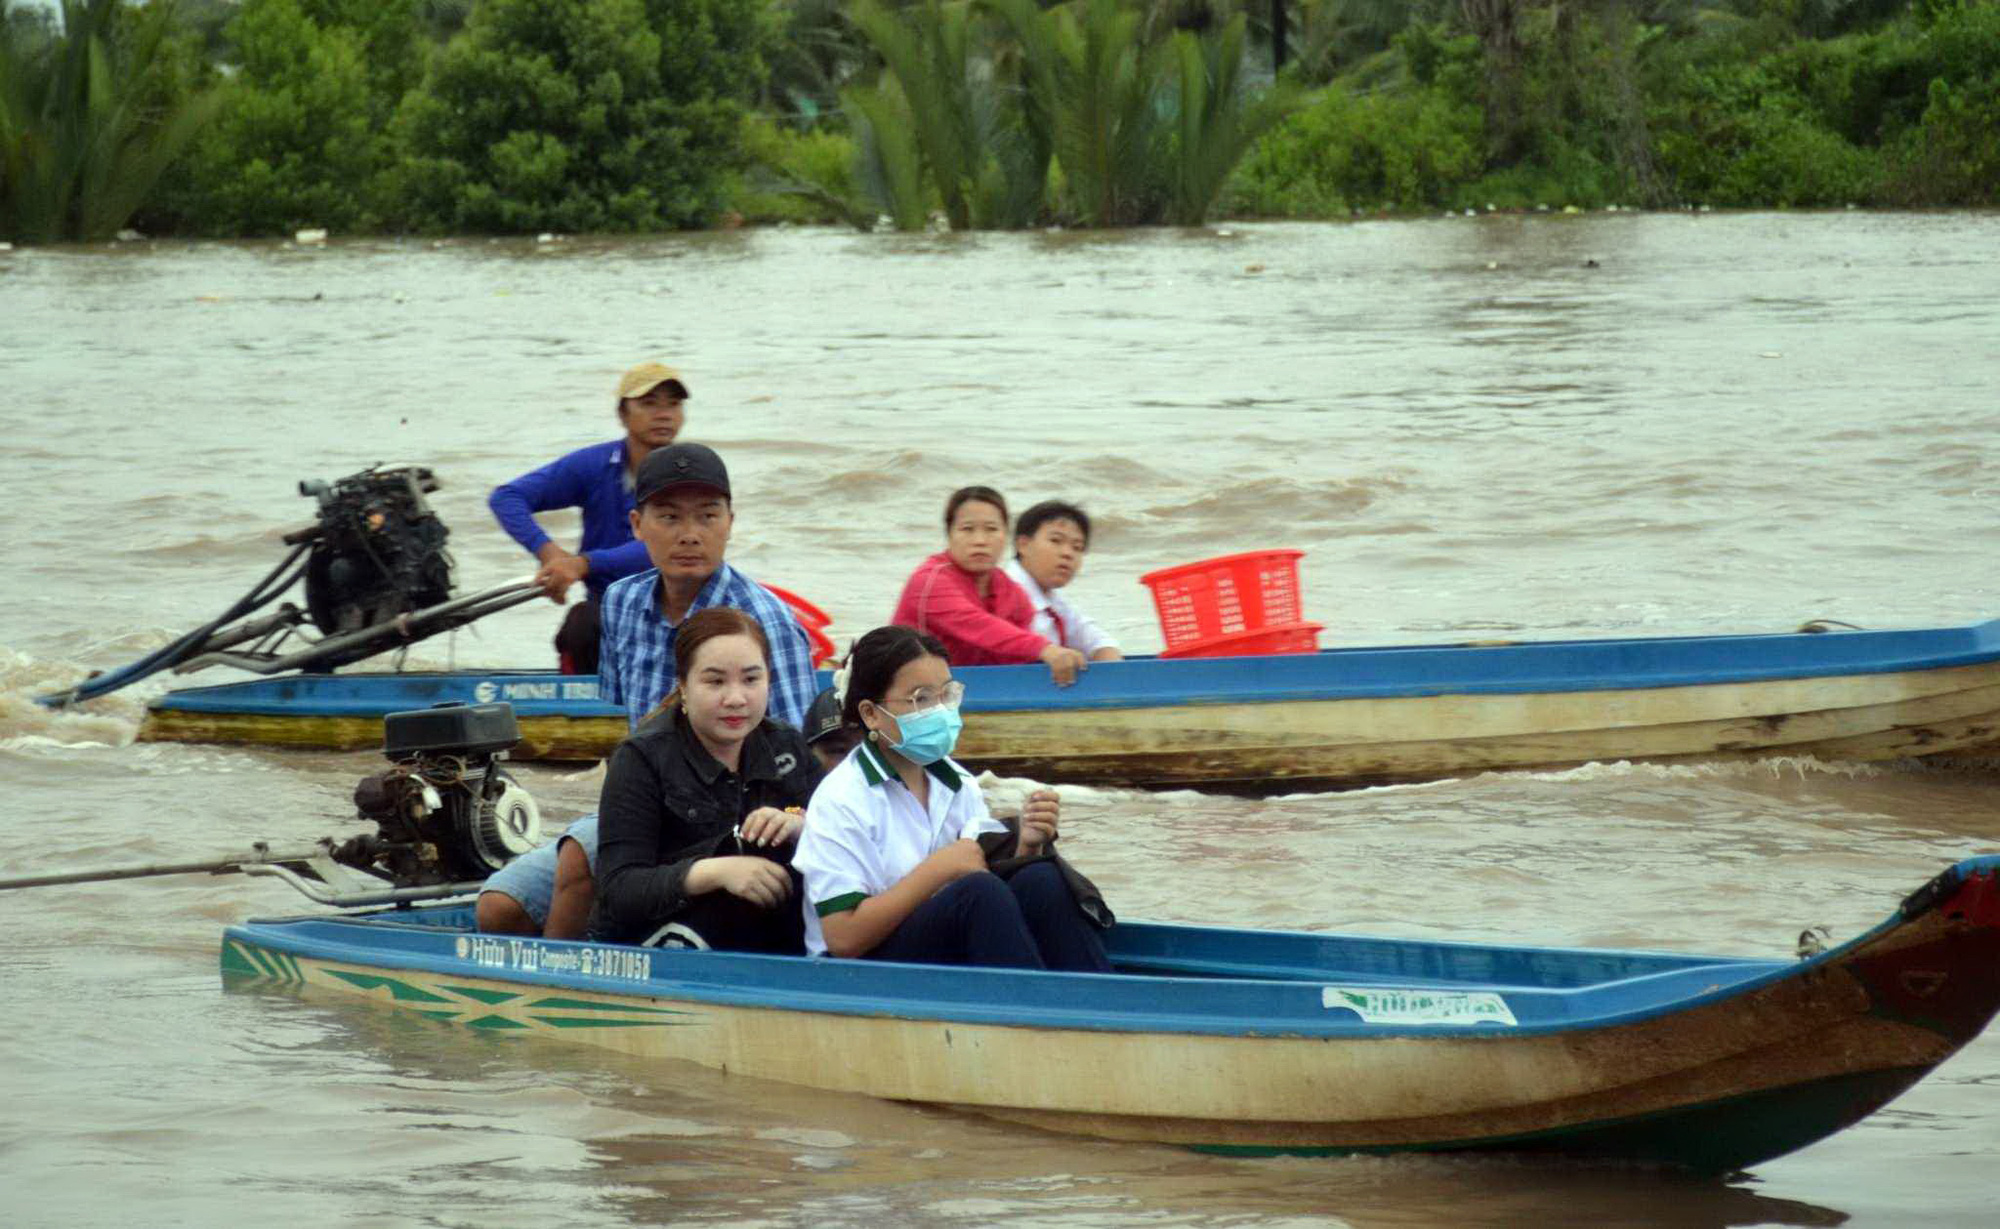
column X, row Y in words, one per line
column 1237, row 1041
column 1338, row 718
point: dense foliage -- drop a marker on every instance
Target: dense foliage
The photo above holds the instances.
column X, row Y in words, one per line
column 91, row 115
column 260, row 117
column 1756, row 103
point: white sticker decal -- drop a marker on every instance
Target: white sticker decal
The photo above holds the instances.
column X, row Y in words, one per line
column 529, row 956
column 1377, row 1006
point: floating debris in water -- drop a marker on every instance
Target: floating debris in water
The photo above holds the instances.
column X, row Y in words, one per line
column 311, row 234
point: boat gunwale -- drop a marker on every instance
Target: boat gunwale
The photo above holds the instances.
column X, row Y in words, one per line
column 1356, row 673
column 998, row 1006
column 980, row 989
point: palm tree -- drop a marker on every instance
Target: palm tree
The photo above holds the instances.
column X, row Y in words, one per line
column 989, row 167
column 1218, row 120
column 1093, row 83
column 87, row 125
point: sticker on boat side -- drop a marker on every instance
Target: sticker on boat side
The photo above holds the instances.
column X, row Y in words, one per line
column 529, row 956
column 487, row 691
column 1377, row 1006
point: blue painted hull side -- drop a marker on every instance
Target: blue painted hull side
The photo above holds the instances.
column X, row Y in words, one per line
column 1190, row 979
column 1332, row 674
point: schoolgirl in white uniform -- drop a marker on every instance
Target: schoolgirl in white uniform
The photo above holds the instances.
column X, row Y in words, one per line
column 889, row 855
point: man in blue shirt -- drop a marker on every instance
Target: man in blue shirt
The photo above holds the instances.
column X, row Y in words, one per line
column 683, row 520
column 599, row 480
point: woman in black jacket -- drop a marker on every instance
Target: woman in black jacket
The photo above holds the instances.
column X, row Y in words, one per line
column 702, row 806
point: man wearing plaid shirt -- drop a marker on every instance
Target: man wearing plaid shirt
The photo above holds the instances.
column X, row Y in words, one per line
column 683, row 515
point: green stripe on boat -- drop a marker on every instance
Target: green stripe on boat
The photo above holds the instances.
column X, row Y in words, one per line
column 235, row 962
column 601, row 1022
column 586, row 1005
column 495, row 1022
column 483, row 995
column 401, row 991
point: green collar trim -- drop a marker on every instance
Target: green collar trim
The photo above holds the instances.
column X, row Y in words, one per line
column 877, row 770
column 946, row 774
column 872, row 765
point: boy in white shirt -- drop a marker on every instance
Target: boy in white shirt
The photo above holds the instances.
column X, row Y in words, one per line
column 1050, row 541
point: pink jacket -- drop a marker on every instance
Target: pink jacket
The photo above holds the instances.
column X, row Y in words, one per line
column 942, row 600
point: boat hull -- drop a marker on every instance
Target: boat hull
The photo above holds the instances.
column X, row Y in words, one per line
column 1713, row 1066
column 1333, row 719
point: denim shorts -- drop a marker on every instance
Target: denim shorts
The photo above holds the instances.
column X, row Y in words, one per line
column 531, row 878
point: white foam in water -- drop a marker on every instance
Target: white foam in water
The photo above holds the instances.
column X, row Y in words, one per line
column 26, row 726
column 1718, row 770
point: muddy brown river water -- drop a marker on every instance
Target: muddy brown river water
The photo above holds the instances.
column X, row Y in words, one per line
column 1524, row 427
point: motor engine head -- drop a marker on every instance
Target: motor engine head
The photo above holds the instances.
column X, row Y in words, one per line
column 445, row 812
column 378, row 551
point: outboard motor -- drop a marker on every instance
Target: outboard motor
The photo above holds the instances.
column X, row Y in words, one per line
column 378, row 549
column 446, row 812
column 377, row 578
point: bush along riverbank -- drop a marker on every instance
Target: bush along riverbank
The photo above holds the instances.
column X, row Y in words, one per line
column 214, row 118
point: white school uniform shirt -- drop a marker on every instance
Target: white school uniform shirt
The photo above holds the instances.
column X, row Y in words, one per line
column 865, row 830
column 1056, row 619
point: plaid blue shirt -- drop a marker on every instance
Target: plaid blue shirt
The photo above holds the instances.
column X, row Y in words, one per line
column 635, row 654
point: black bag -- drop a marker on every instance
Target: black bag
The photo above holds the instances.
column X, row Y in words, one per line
column 1003, row 860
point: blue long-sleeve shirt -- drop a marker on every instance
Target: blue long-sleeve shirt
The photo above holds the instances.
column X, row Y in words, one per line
column 593, row 479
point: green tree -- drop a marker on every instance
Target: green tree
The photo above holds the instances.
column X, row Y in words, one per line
column 1218, row 119
column 583, row 115
column 1094, row 83
column 91, row 115
column 987, row 165
column 303, row 137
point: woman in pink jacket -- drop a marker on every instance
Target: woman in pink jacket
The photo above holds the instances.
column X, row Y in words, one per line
column 961, row 596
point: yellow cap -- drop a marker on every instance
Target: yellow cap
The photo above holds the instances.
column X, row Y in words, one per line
column 645, row 378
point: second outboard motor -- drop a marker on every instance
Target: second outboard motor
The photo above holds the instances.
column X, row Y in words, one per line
column 446, row 812
column 378, row 549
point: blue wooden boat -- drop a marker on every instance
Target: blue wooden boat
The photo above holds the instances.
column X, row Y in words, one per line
column 1339, row 717
column 1250, row 1041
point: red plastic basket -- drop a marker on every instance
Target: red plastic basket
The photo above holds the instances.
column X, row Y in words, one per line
column 1251, row 592
column 1290, row 638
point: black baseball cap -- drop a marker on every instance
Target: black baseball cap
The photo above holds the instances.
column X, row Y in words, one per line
column 823, row 718
column 680, row 465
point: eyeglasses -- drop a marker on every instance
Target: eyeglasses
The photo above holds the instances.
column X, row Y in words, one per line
column 925, row 697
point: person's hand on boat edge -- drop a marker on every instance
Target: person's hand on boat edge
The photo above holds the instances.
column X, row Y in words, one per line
column 560, row 569
column 1064, row 663
column 760, row 881
column 767, row 826
column 1039, row 817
